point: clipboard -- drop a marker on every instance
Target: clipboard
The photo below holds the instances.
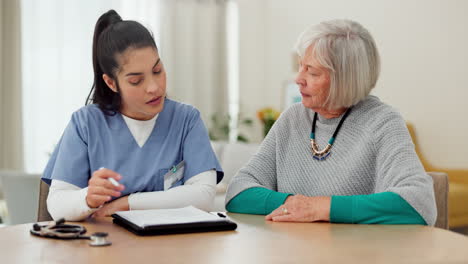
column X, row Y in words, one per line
column 207, row 223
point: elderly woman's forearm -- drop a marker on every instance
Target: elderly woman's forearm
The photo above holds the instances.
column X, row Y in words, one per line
column 256, row 200
column 378, row 208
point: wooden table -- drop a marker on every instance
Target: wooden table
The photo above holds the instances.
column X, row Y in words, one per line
column 254, row 241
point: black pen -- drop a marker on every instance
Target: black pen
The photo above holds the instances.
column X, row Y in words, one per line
column 221, row 215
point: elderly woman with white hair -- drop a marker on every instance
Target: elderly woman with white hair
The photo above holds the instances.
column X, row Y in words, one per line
column 341, row 155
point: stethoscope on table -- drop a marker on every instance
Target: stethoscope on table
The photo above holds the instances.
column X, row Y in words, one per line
column 59, row 230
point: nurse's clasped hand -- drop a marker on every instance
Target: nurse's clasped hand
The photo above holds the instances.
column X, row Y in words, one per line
column 100, row 189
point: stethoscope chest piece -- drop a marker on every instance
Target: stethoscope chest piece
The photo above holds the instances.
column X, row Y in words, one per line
column 99, row 239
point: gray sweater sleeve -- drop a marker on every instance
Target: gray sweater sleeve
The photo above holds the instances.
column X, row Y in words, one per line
column 398, row 167
column 260, row 171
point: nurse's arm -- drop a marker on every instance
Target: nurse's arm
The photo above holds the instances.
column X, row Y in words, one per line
column 68, row 201
column 198, row 191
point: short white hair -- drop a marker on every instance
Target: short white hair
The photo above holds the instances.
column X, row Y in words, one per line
column 348, row 51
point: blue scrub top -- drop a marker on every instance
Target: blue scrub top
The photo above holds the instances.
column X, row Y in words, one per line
column 93, row 140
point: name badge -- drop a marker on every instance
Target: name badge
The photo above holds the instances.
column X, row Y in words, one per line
column 175, row 174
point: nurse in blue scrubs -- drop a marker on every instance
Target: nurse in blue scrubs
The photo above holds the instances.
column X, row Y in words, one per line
column 157, row 150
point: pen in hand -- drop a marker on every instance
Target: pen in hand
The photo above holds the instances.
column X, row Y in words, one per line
column 112, row 180
column 102, row 186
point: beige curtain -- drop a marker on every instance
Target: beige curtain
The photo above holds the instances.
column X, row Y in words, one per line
column 193, row 48
column 11, row 148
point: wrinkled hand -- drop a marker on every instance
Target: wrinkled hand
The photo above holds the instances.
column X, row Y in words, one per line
column 100, row 189
column 300, row 208
column 108, row 209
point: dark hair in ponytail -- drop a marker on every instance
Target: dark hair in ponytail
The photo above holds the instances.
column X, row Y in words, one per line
column 112, row 37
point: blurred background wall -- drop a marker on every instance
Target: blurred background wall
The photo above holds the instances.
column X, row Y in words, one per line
column 231, row 58
column 422, row 44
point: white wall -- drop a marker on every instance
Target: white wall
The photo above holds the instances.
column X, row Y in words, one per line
column 423, row 46
column 57, row 72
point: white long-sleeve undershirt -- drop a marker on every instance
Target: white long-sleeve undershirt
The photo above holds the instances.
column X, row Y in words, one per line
column 69, row 201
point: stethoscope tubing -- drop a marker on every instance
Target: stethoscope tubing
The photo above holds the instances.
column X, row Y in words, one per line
column 59, row 230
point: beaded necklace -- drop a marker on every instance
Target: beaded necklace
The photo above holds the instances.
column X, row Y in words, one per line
column 323, row 154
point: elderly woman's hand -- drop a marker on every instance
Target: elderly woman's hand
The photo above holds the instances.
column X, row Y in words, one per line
column 300, row 208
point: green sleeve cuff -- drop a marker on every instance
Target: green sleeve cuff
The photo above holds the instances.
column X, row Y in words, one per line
column 341, row 209
column 378, row 208
column 275, row 200
column 256, row 200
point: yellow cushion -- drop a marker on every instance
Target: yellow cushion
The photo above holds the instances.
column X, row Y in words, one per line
column 458, row 204
column 458, row 187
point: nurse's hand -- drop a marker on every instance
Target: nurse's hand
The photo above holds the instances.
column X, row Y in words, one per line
column 100, row 189
column 300, row 208
column 120, row 204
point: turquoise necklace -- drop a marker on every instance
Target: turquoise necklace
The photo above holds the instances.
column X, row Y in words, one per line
column 323, row 154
